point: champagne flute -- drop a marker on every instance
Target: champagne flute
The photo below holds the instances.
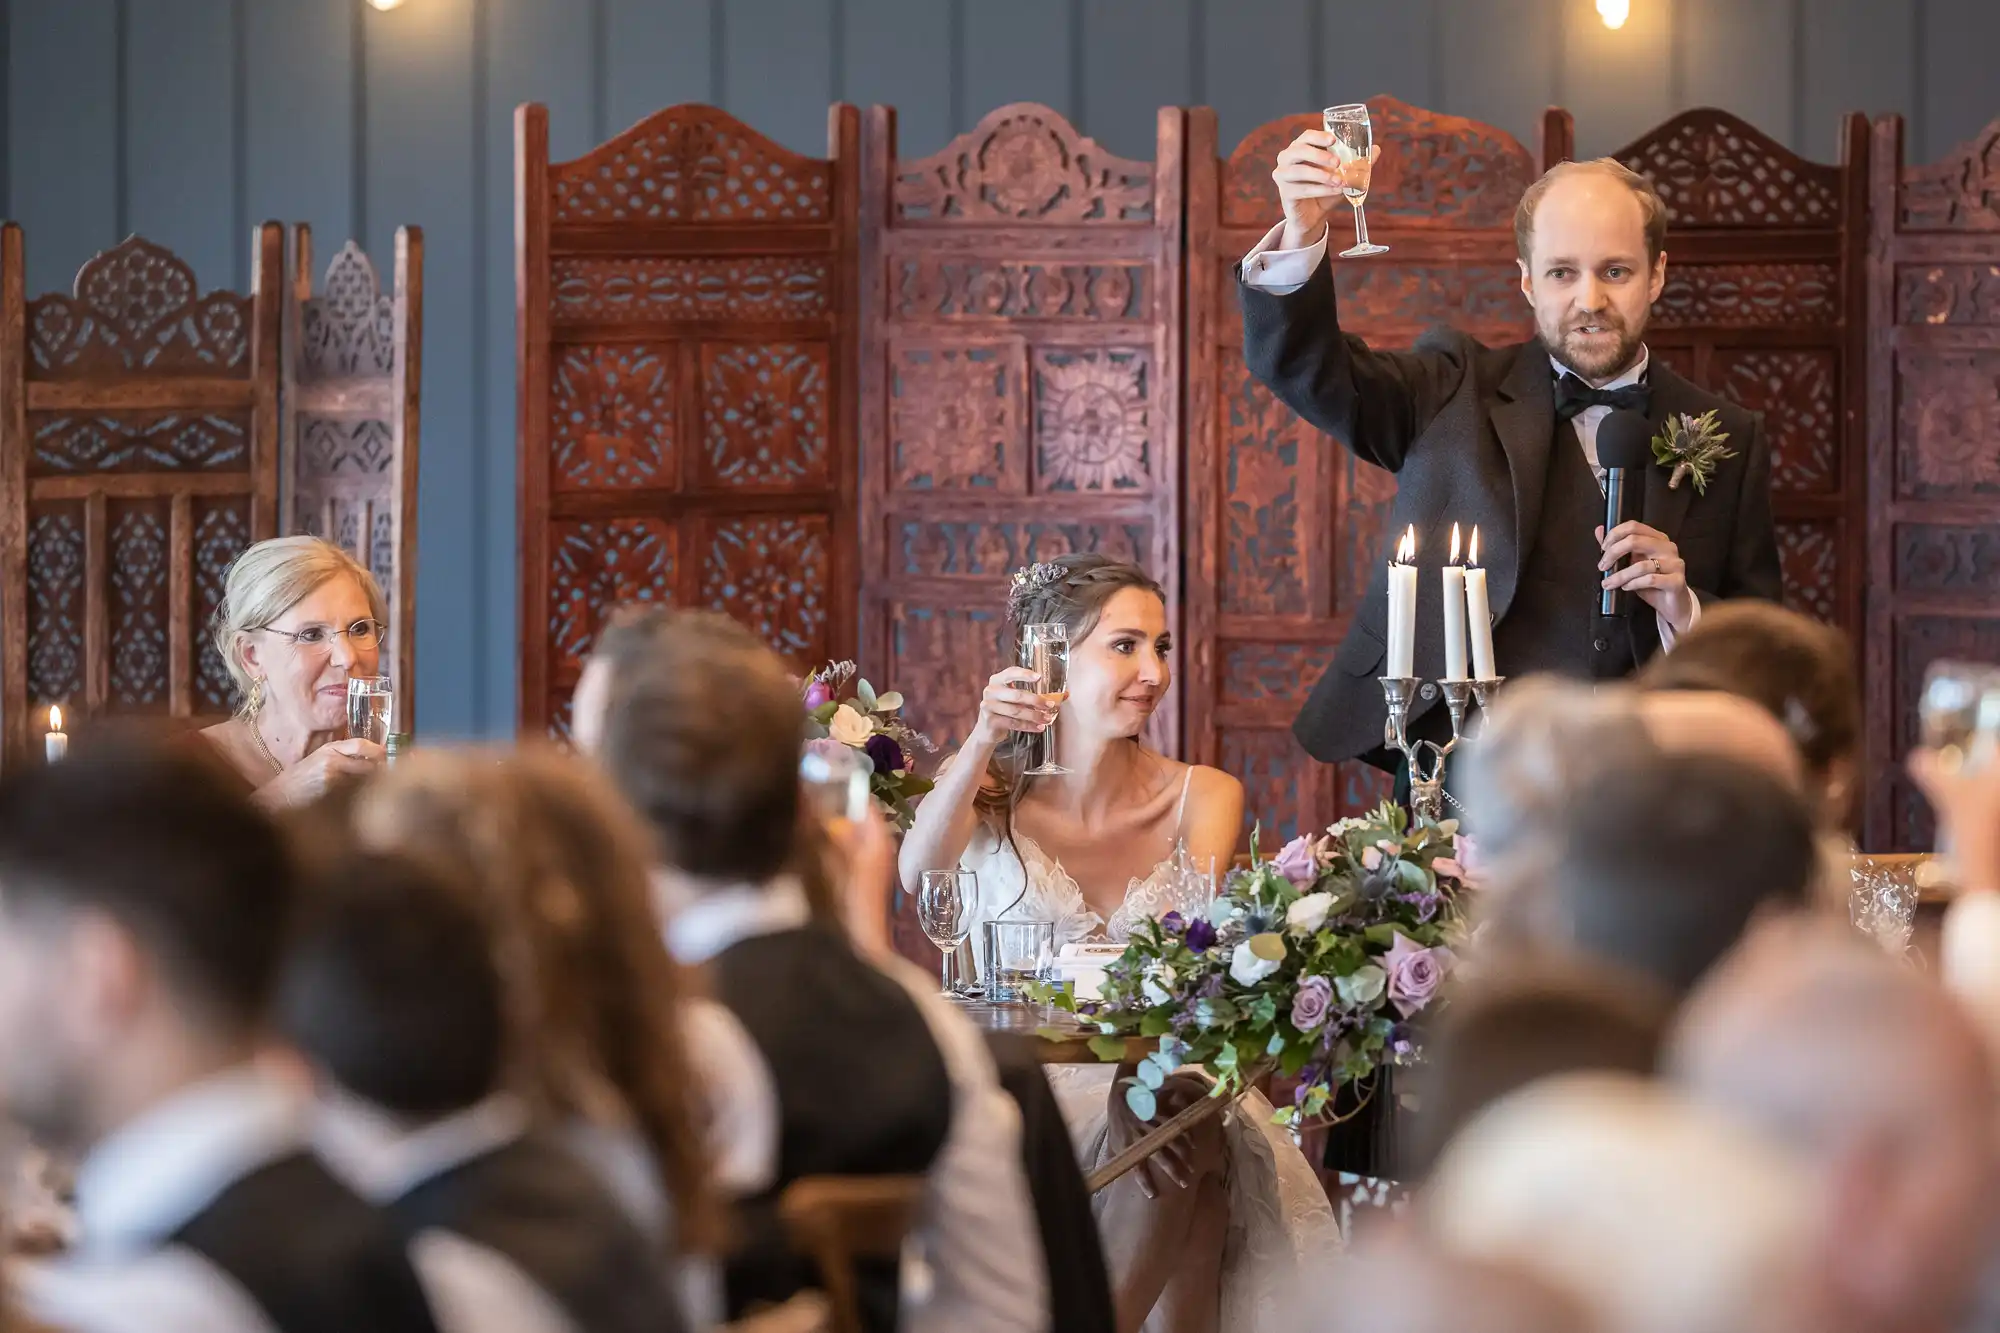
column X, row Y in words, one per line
column 1045, row 651
column 1352, row 139
column 944, row 910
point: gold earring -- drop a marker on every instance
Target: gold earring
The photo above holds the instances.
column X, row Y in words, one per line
column 255, row 703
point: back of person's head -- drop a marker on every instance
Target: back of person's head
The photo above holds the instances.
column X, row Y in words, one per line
column 1725, row 726
column 592, row 996
column 702, row 733
column 392, row 990
column 1513, row 1026
column 1794, row 667
column 1402, row 1283
column 1660, row 1215
column 1667, row 860
column 1875, row 1075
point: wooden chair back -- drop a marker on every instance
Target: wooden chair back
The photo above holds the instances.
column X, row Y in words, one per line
column 841, row 1219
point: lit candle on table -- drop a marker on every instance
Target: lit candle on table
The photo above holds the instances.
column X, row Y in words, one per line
column 1403, row 607
column 1478, row 617
column 55, row 744
column 1454, row 613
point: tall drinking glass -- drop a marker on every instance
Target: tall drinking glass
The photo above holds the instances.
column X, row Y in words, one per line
column 1352, row 138
column 371, row 709
column 1045, row 651
column 944, row 910
column 835, row 783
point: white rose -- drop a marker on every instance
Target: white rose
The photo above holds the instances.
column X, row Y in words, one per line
column 850, row 727
column 1308, row 914
column 1247, row 968
column 1154, row 992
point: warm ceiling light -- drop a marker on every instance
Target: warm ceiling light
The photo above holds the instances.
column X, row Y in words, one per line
column 1613, row 12
column 386, row 5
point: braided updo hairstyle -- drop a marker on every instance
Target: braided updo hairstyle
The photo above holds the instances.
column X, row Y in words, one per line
column 1071, row 591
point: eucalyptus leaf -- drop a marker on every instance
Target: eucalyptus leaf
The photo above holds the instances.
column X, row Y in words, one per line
column 1225, row 1059
column 1163, row 1062
column 1151, row 1075
column 1447, row 828
column 1383, row 936
column 864, row 694
column 824, row 713
column 1276, row 1046
column 888, row 701
column 1140, row 1098
column 1364, row 985
column 1415, row 878
column 816, row 731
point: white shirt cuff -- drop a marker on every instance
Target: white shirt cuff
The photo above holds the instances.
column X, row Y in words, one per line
column 1667, row 634
column 1282, row 272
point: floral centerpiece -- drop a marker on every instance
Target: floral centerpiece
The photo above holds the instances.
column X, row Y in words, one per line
column 866, row 721
column 1313, row 963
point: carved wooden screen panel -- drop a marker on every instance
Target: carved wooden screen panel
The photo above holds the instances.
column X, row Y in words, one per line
column 1285, row 526
column 138, row 457
column 686, row 361
column 1933, row 446
column 348, row 465
column 1766, row 255
column 1020, row 385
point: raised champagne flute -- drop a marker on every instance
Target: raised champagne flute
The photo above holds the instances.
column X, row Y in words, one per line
column 944, row 910
column 1352, row 138
column 1045, row 651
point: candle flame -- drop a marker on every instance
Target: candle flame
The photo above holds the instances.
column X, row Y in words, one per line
column 1473, row 557
column 55, row 718
column 1406, row 549
column 1454, row 543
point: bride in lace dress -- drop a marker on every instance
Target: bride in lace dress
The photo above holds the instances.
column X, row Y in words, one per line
column 1205, row 1235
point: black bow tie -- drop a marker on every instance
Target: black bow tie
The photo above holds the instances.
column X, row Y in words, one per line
column 1573, row 396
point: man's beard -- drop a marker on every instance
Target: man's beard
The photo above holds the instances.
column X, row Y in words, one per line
column 1590, row 363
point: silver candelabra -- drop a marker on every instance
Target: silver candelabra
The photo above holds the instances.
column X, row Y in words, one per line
column 1427, row 789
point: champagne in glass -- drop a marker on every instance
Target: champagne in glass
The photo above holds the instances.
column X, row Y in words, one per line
column 371, row 708
column 1045, row 651
column 944, row 910
column 1352, row 139
column 1957, row 712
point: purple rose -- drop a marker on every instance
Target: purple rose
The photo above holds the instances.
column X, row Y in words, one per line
column 888, row 755
column 1295, row 861
column 1414, row 973
column 817, row 694
column 1312, row 1003
column 1200, row 935
column 1172, row 923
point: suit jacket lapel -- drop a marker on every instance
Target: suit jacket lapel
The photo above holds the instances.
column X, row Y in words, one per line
column 1666, row 509
column 1525, row 421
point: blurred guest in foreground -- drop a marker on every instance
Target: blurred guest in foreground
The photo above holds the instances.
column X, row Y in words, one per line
column 1399, row 1282
column 1506, row 1029
column 1657, row 1214
column 1879, row 1082
column 298, row 617
column 1796, row 669
column 136, row 975
column 395, row 997
column 600, row 1037
column 703, row 736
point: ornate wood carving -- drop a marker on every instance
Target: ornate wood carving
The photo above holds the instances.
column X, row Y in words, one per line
column 138, row 456
column 1933, row 462
column 686, row 356
column 1284, row 527
column 352, row 374
column 1766, row 257
column 1020, row 384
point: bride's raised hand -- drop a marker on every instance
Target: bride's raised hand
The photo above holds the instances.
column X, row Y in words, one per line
column 1006, row 706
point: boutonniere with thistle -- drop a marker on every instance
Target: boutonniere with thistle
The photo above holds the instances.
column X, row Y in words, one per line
column 1691, row 446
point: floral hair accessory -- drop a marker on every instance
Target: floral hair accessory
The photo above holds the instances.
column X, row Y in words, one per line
column 1030, row 582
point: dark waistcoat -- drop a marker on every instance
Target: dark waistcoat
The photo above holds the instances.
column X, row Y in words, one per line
column 312, row 1254
column 533, row 1202
column 862, row 1090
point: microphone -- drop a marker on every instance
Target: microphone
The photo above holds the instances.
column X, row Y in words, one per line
column 1624, row 446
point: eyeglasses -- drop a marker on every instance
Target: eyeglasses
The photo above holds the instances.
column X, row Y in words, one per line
column 362, row 634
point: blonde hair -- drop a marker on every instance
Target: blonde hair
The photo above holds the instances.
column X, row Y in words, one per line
column 592, row 996
column 266, row 581
column 1651, row 205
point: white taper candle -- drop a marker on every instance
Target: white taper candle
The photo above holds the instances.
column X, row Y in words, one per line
column 1403, row 608
column 1479, row 615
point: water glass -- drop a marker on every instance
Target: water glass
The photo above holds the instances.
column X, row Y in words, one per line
column 1883, row 904
column 945, row 900
column 1018, row 952
column 834, row 781
column 371, row 708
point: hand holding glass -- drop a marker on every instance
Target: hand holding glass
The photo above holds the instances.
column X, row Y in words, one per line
column 1045, row 651
column 371, row 709
column 944, row 910
column 1352, row 141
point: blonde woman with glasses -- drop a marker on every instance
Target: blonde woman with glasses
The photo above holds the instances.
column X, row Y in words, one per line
column 299, row 616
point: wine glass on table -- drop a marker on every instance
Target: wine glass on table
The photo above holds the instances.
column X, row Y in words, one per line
column 944, row 910
column 1045, row 651
column 371, row 709
column 1352, row 139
